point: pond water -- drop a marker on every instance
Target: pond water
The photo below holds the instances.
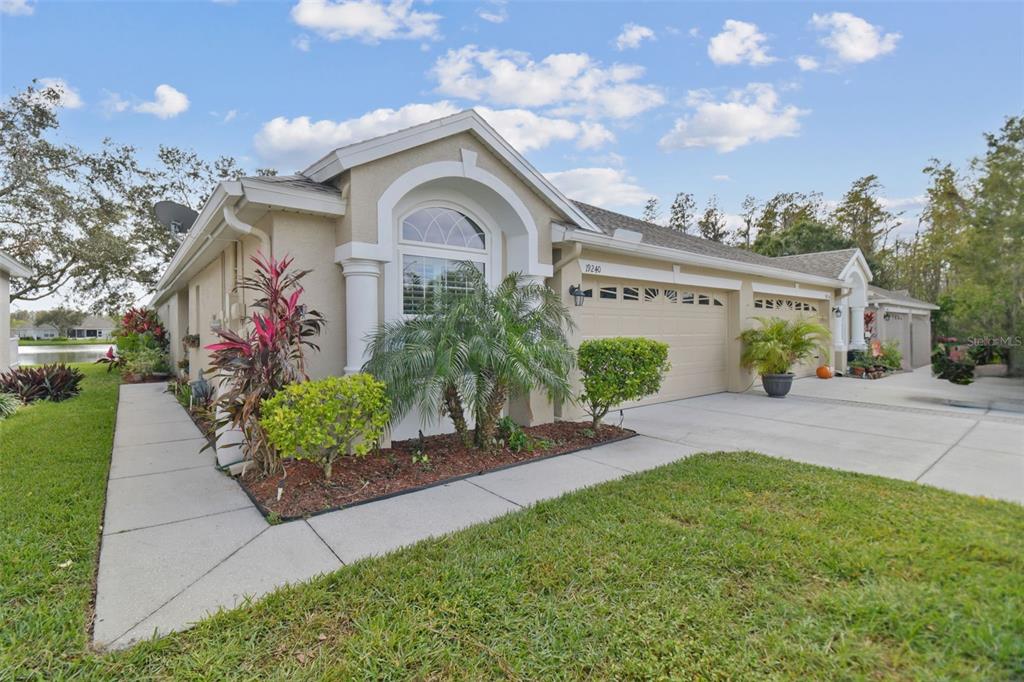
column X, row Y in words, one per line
column 42, row 355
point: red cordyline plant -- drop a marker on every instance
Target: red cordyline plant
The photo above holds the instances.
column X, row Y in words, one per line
column 143, row 321
column 269, row 356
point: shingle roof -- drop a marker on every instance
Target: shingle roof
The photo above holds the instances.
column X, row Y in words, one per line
column 297, row 181
column 824, row 263
column 898, row 295
column 657, row 235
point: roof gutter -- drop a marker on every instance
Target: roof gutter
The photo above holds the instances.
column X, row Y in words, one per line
column 601, row 241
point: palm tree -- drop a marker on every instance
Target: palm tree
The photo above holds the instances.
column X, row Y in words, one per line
column 473, row 348
column 780, row 344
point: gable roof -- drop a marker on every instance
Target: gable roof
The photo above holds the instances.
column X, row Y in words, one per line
column 897, row 297
column 296, row 181
column 16, row 269
column 470, row 121
column 658, row 235
column 824, row 263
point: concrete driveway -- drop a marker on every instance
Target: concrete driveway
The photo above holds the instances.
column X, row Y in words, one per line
column 907, row 426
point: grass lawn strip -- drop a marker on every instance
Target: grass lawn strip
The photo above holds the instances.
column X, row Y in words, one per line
column 54, row 459
column 731, row 566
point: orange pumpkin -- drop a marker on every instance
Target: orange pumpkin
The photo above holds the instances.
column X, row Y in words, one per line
column 824, row 372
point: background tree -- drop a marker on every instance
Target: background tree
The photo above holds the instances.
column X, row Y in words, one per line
column 864, row 220
column 806, row 236
column 712, row 223
column 683, row 212
column 784, row 210
column 62, row 318
column 650, row 213
column 749, row 211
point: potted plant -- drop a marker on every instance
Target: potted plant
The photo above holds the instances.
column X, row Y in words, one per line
column 776, row 346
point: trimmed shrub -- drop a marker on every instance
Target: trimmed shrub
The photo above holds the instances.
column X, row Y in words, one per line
column 54, row 382
column 9, row 404
column 618, row 370
column 324, row 419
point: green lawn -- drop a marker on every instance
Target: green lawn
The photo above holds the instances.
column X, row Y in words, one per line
column 63, row 342
column 723, row 566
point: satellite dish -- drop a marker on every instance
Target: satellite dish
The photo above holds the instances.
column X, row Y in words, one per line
column 177, row 218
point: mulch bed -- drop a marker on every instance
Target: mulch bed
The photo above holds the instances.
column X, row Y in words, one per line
column 355, row 480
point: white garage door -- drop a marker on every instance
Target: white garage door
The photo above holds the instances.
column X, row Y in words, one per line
column 792, row 309
column 693, row 322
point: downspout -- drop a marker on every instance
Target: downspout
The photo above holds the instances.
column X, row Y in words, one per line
column 237, row 225
column 577, row 250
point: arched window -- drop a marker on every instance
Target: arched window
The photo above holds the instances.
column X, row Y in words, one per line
column 435, row 245
column 443, row 227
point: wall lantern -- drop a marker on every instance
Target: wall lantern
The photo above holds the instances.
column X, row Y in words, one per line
column 578, row 294
column 887, row 317
column 837, row 311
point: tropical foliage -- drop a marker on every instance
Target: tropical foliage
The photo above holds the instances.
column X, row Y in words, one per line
column 618, row 370
column 778, row 344
column 55, row 382
column 471, row 350
column 253, row 365
column 949, row 362
column 9, row 404
column 325, row 419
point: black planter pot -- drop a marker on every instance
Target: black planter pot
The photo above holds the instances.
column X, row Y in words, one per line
column 777, row 385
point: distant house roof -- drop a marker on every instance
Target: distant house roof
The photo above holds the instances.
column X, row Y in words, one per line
column 96, row 322
column 824, row 263
column 897, row 297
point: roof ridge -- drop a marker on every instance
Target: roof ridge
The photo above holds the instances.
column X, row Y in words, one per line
column 813, row 253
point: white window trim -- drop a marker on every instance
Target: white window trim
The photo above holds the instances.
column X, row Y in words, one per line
column 490, row 256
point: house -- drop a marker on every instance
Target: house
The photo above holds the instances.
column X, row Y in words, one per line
column 8, row 345
column 37, row 331
column 93, row 327
column 901, row 317
column 377, row 220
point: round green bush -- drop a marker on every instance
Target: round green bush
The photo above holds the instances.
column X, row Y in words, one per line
column 619, row 370
column 324, row 419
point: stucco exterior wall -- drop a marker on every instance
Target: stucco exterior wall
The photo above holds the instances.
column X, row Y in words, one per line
column 310, row 240
column 369, row 181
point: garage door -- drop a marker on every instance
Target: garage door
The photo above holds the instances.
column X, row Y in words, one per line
column 792, row 309
column 693, row 322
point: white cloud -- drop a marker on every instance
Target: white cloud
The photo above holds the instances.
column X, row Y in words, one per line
column 694, row 32
column 69, row 97
column 497, row 13
column 575, row 83
column 168, row 102
column 752, row 114
column 301, row 140
column 807, row 63
column 230, row 116
column 609, row 187
column 631, row 37
column 16, row 8
column 370, row 21
column 739, row 42
column 301, row 43
column 721, row 178
column 113, row 103
column 853, row 39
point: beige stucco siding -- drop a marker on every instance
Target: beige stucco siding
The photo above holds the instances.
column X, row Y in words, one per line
column 369, row 181
column 310, row 240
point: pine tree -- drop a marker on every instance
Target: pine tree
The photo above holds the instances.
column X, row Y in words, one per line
column 684, row 210
column 651, row 210
column 712, row 224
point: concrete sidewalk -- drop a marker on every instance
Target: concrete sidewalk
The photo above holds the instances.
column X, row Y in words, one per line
column 181, row 540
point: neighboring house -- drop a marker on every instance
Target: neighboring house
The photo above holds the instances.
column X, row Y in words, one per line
column 37, row 331
column 378, row 221
column 93, row 327
column 903, row 318
column 8, row 345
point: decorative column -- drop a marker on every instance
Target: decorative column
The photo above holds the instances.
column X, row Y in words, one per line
column 361, row 308
column 838, row 342
column 857, row 328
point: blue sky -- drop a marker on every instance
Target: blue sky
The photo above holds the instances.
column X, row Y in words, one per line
column 616, row 101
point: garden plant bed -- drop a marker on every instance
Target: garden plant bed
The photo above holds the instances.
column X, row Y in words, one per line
column 393, row 471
